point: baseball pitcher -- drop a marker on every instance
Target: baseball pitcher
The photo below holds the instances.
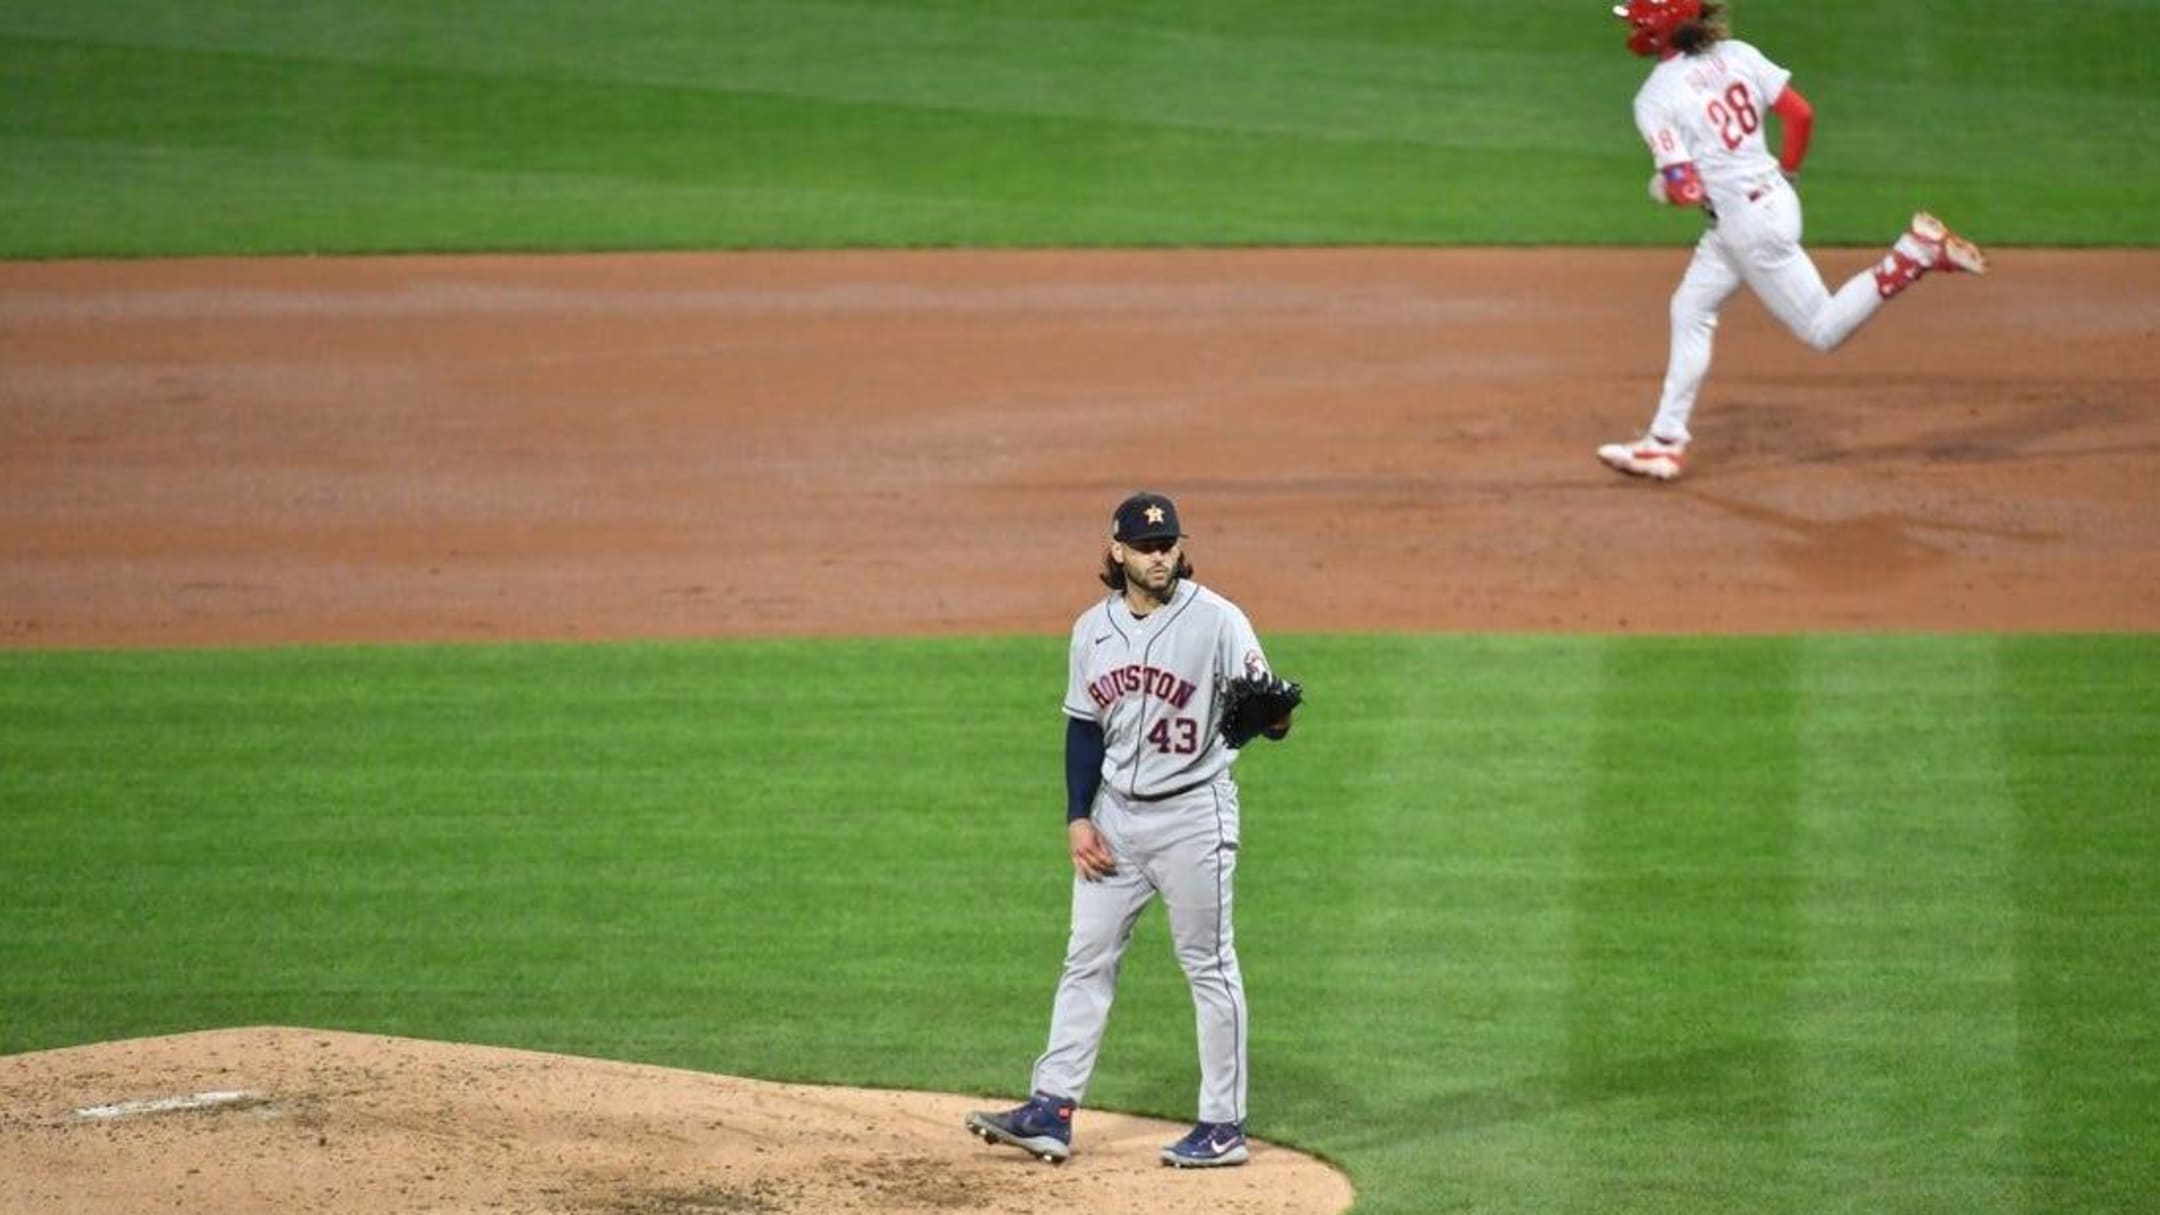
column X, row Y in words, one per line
column 1166, row 682
column 1702, row 112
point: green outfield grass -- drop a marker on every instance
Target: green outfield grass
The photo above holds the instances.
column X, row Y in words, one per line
column 256, row 126
column 1530, row 924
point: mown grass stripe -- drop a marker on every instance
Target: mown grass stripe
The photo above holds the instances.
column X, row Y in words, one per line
column 1907, row 1081
column 1686, row 919
column 1525, row 724
column 2081, row 720
column 1465, row 865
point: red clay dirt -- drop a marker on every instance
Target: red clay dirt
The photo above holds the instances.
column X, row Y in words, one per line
column 288, row 451
column 238, row 452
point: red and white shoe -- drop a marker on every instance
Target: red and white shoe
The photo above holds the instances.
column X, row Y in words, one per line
column 1947, row 250
column 1648, row 456
column 1928, row 246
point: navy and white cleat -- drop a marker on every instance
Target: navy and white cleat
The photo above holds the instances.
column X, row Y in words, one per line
column 1042, row 1127
column 1211, row 1145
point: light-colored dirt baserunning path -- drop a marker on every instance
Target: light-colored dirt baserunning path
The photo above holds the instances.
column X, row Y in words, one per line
column 309, row 1120
column 287, row 451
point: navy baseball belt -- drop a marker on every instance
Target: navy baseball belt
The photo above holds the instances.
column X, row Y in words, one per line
column 1166, row 795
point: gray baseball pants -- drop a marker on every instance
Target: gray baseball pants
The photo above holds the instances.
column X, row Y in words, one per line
column 1184, row 849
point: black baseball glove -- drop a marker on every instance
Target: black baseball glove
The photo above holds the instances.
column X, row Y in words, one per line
column 1253, row 705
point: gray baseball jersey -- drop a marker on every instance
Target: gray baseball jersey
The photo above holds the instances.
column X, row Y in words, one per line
column 1151, row 682
column 1168, row 811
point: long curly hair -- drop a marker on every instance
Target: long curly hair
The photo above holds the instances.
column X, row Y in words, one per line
column 1113, row 574
column 1695, row 37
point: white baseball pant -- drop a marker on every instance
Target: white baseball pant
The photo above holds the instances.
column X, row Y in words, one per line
column 1755, row 241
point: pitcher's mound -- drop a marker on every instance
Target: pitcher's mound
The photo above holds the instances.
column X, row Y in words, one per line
column 278, row 1120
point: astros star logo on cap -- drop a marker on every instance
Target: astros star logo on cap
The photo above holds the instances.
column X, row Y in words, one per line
column 1154, row 514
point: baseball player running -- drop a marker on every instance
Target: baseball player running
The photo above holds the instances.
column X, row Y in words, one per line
column 1151, row 810
column 1702, row 111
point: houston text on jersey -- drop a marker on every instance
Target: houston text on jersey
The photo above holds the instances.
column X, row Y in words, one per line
column 1155, row 681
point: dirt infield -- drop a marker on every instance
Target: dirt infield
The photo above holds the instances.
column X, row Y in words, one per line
column 245, row 452
column 209, row 452
column 287, row 1120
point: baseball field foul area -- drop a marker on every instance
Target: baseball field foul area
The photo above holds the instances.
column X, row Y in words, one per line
column 536, row 547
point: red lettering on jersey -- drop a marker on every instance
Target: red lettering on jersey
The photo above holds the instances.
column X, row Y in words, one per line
column 1158, row 682
column 1735, row 117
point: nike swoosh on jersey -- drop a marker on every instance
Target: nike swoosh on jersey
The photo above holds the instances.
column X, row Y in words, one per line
column 1104, row 637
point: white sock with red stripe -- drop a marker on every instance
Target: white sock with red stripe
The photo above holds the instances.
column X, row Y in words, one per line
column 1907, row 260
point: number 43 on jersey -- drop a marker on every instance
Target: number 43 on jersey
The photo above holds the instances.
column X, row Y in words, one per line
column 1175, row 735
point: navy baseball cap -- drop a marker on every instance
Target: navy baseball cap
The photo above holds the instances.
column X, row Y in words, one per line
column 1144, row 516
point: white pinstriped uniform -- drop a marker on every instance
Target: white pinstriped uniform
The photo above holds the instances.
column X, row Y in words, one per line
column 1168, row 811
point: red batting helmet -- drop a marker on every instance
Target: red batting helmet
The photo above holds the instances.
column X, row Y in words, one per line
column 1651, row 22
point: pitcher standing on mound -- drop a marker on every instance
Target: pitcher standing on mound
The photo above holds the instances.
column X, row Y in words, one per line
column 1151, row 809
column 1702, row 112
